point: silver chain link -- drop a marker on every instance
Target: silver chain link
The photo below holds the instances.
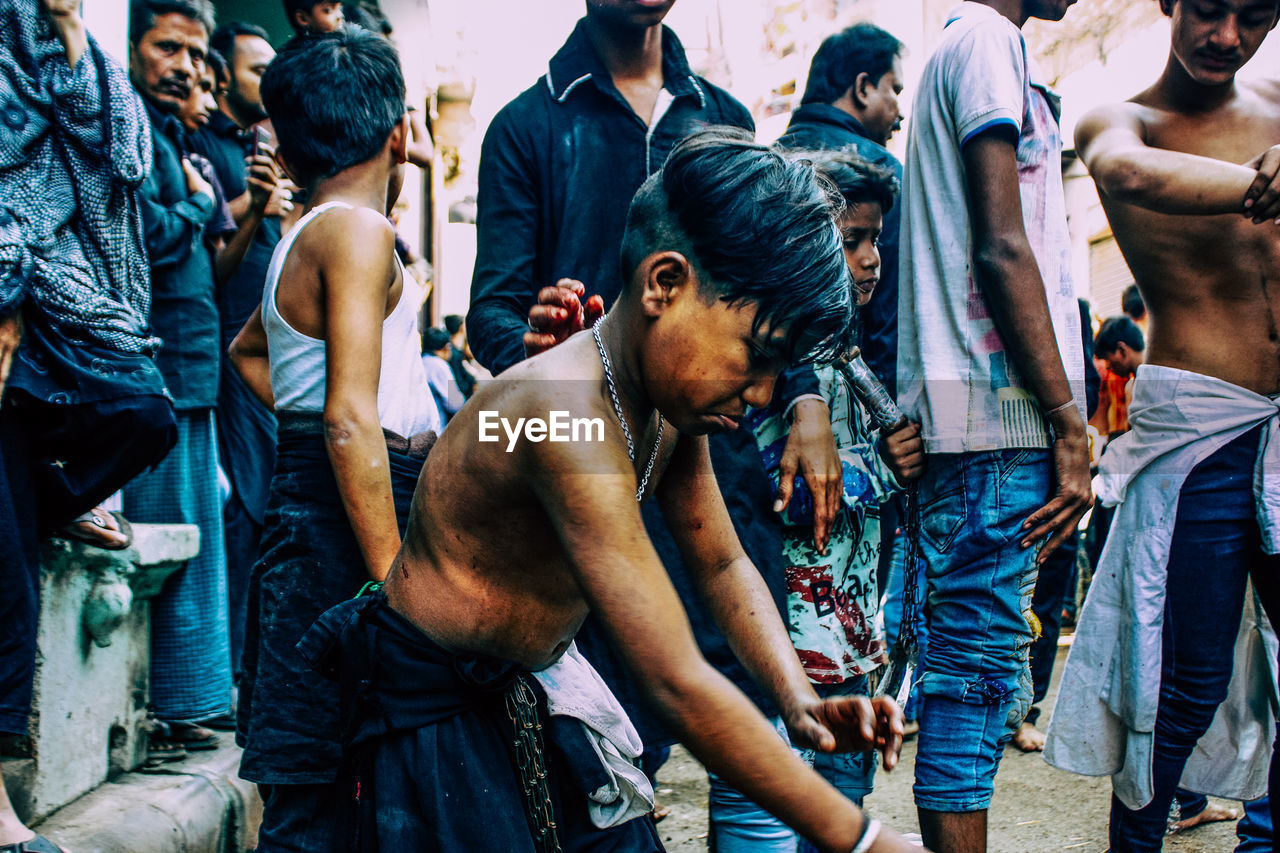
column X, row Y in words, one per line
column 617, row 408
column 522, row 709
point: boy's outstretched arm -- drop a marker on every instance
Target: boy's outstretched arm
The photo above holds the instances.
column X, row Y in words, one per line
column 738, row 598
column 1111, row 141
column 598, row 521
column 357, row 267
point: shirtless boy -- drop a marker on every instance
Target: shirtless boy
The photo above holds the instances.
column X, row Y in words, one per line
column 1187, row 174
column 733, row 270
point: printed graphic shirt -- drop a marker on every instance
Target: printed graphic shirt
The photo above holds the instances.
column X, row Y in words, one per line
column 953, row 372
column 832, row 598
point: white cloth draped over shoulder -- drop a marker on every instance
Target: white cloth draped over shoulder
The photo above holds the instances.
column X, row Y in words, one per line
column 1105, row 717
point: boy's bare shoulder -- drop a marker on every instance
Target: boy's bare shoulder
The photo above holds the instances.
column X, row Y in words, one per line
column 358, row 234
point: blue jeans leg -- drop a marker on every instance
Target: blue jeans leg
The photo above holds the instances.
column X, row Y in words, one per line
column 740, row 826
column 1216, row 544
column 1255, row 828
column 976, row 683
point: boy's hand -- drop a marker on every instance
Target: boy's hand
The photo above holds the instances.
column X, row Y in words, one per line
column 849, row 724
column 811, row 449
column 196, row 185
column 559, row 314
column 903, row 452
column 1262, row 200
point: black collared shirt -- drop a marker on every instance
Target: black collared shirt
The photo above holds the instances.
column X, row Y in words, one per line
column 183, row 313
column 558, row 168
column 225, row 145
column 824, row 127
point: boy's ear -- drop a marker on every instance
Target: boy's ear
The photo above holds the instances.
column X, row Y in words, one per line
column 664, row 277
column 399, row 139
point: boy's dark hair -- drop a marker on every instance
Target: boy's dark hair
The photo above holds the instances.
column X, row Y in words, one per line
column 218, row 65
column 224, row 38
column 857, row 178
column 757, row 228
column 143, row 14
column 434, row 339
column 863, row 47
column 1115, row 331
column 333, row 99
column 367, row 16
column 291, row 6
column 1132, row 303
column 453, row 322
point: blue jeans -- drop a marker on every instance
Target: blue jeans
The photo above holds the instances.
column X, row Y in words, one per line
column 1255, row 828
column 740, row 826
column 1216, row 545
column 976, row 684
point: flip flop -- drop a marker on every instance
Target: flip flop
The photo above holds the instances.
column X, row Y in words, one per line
column 98, row 518
column 39, row 844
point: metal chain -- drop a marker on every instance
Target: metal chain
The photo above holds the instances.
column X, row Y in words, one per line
column 617, row 409
column 522, row 710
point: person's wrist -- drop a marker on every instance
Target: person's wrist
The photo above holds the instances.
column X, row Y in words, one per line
column 1064, row 422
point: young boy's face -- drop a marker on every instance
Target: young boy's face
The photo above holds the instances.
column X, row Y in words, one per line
column 323, row 18
column 860, row 231
column 703, row 366
column 200, row 104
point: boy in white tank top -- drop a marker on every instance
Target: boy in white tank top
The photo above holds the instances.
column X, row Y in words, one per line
column 334, row 349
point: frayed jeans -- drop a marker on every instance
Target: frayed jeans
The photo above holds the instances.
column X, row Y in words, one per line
column 975, row 682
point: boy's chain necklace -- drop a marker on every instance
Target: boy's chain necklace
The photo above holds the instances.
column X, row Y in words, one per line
column 617, row 409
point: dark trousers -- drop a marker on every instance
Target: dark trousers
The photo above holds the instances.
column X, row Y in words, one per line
column 19, row 576
column 57, row 461
column 1216, row 548
column 243, row 535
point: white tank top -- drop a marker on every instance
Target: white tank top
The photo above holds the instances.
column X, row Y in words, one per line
column 405, row 403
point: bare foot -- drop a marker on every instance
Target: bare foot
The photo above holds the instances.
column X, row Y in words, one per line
column 1212, row 814
column 1029, row 739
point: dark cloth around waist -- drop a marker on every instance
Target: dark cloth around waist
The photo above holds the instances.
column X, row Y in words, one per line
column 309, row 561
column 429, row 764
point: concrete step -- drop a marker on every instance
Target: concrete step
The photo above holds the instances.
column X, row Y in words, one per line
column 199, row 805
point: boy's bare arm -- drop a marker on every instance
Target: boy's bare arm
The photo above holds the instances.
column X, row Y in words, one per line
column 738, row 598
column 356, row 266
column 598, row 521
column 248, row 352
column 1111, row 141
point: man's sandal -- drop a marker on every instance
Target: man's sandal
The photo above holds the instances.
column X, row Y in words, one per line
column 39, row 844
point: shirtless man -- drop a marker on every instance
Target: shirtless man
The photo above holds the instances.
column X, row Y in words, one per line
column 1187, row 174
column 734, row 269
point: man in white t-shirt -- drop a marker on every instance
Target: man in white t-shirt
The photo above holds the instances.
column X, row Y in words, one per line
column 990, row 362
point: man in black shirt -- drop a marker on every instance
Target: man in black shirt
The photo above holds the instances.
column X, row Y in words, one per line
column 558, row 168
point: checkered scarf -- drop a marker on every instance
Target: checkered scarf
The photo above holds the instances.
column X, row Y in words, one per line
column 75, row 145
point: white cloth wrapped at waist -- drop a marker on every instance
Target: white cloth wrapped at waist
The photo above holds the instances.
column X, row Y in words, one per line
column 575, row 689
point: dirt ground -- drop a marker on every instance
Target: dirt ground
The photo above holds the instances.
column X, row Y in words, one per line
column 1036, row 809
